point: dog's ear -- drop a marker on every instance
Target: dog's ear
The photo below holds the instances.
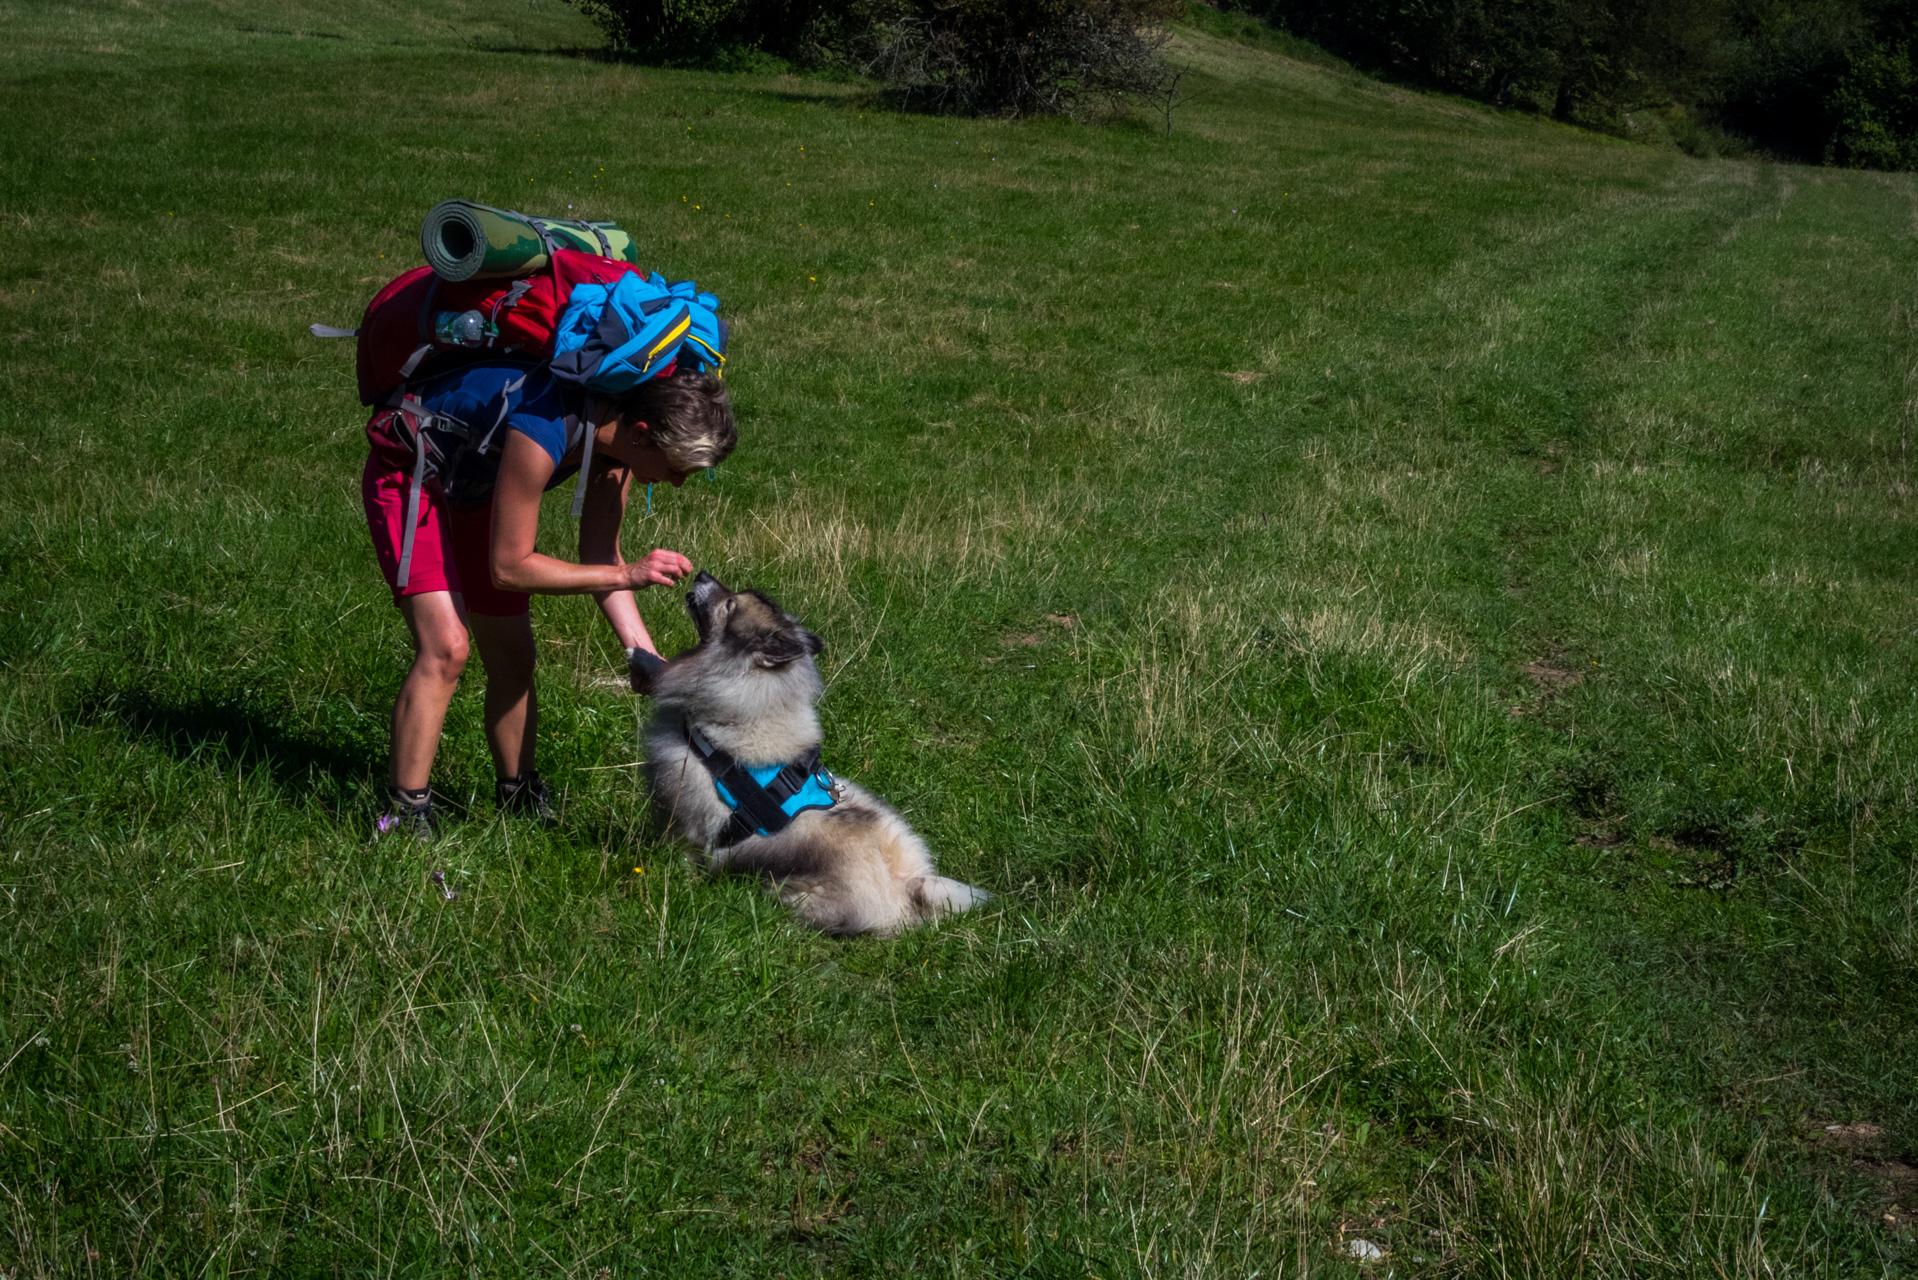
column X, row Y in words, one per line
column 778, row 648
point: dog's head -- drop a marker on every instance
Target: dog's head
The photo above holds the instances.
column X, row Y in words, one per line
column 750, row 684
column 748, row 629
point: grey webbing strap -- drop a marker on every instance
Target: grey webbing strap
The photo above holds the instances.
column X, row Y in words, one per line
column 413, row 361
column 507, row 303
column 486, row 441
column 545, row 238
column 605, row 245
column 585, row 458
column 331, row 331
column 413, row 501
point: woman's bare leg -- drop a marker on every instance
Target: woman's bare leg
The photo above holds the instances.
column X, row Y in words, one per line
column 438, row 624
column 512, row 707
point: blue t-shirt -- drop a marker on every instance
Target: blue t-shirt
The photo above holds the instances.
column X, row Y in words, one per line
column 491, row 399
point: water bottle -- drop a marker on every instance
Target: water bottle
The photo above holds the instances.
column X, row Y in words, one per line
column 459, row 328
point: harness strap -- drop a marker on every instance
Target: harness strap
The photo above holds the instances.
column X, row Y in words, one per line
column 756, row 808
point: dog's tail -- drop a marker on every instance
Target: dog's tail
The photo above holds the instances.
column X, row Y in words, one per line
column 937, row 896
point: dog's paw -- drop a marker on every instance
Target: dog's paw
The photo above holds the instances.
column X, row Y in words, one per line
column 940, row 896
column 642, row 665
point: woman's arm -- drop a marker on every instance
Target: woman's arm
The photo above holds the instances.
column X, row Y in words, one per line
column 599, row 521
column 524, row 470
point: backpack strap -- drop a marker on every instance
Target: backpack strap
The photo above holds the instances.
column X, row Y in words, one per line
column 486, row 441
column 545, row 241
column 605, row 245
column 414, row 416
column 426, row 311
column 585, row 455
column 506, row 302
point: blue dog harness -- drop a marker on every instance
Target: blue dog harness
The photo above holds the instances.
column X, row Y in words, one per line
column 764, row 801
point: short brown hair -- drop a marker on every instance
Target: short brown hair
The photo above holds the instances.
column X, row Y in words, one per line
column 687, row 415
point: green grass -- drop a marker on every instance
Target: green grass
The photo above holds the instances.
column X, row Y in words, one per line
column 1467, row 806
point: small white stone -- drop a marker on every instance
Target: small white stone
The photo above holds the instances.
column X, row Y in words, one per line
column 1364, row 1250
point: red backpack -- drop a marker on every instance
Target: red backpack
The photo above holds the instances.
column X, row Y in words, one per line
column 397, row 340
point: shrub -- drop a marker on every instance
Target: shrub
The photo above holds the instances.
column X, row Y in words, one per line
column 970, row 57
column 1024, row 57
column 704, row 30
column 1826, row 81
column 1875, row 110
column 1589, row 61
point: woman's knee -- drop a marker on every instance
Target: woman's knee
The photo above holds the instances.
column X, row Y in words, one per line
column 506, row 648
column 439, row 634
column 442, row 656
column 510, row 668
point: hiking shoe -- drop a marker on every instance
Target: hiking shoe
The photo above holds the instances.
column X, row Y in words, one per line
column 411, row 813
column 525, row 797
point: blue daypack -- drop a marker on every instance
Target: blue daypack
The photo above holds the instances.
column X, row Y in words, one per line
column 612, row 337
column 617, row 334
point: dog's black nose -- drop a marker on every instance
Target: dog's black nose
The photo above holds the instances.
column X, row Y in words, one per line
column 706, row 588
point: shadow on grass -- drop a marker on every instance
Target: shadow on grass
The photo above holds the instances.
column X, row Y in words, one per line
column 238, row 732
column 852, row 89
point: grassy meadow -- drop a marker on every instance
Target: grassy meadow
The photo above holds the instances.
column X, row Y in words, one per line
column 1409, row 607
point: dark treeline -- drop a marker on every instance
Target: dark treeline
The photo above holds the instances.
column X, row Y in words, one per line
column 1825, row 81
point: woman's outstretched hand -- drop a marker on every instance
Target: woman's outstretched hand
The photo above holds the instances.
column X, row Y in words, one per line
column 658, row 568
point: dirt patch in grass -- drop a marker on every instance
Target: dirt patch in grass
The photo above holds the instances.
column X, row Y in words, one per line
column 1700, row 861
column 1864, row 1151
column 1550, row 677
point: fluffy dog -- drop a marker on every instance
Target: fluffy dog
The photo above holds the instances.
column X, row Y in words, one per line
column 744, row 696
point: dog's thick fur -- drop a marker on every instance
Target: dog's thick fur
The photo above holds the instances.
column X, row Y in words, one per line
column 750, row 686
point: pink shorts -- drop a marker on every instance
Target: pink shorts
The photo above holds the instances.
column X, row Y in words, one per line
column 452, row 547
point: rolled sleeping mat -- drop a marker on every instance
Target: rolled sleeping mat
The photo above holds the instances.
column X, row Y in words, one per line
column 602, row 238
column 467, row 241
